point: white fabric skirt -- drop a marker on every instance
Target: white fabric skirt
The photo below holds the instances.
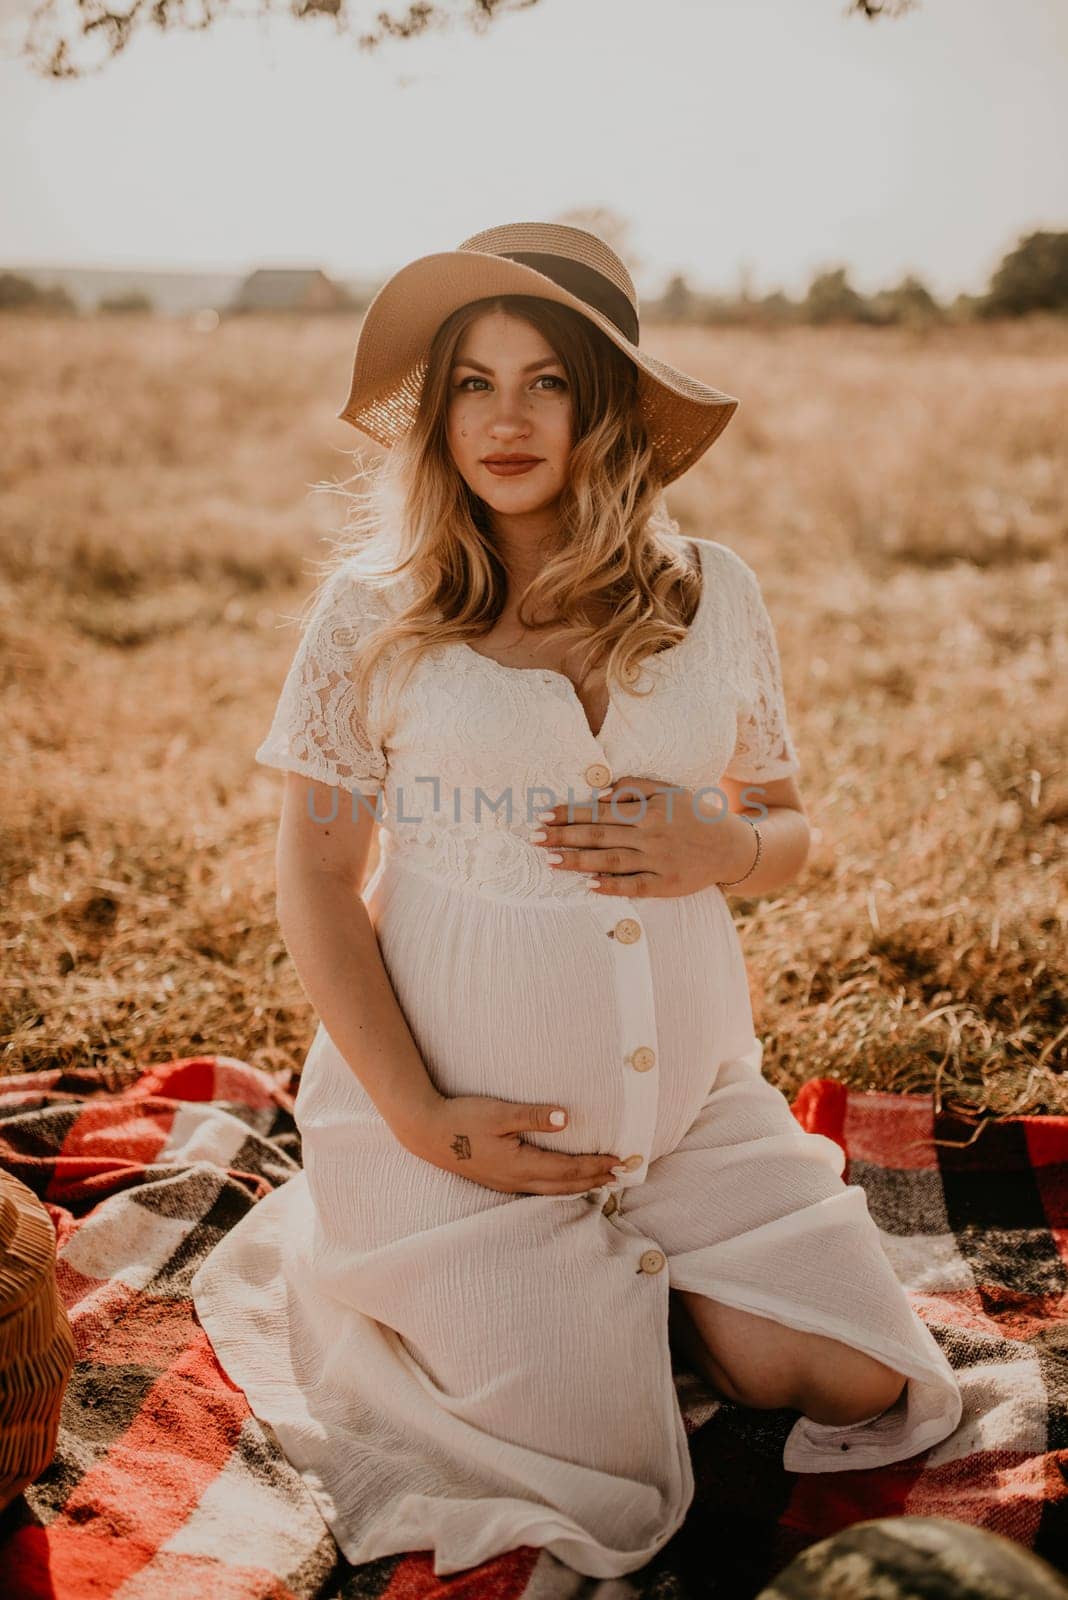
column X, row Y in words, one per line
column 464, row 1371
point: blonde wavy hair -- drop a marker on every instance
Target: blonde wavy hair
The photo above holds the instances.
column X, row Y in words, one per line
column 419, row 520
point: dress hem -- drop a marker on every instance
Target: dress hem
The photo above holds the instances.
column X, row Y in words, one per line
column 527, row 1524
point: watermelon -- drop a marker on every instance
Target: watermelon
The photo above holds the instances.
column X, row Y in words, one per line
column 917, row 1558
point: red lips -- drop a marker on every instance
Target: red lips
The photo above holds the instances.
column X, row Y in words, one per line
column 510, row 466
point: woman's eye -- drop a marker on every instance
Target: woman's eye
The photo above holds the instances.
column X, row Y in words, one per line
column 552, row 378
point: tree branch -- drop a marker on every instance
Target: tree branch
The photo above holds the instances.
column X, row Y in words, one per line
column 75, row 38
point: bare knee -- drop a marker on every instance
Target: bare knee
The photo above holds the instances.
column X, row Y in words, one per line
column 759, row 1389
column 759, row 1362
column 748, row 1370
column 837, row 1398
column 743, row 1388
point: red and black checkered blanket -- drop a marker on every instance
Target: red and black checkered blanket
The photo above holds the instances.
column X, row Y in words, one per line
column 164, row 1485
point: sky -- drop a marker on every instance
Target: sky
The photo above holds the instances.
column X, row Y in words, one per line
column 768, row 139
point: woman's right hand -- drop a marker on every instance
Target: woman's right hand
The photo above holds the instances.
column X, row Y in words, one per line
column 478, row 1137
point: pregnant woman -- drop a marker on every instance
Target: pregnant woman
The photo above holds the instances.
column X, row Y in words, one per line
column 539, row 1152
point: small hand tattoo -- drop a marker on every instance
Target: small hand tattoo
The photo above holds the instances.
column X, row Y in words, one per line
column 461, row 1147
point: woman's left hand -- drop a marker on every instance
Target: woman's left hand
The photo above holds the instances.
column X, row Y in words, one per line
column 648, row 837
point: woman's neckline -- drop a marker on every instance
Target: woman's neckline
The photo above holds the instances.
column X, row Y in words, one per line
column 603, row 733
column 658, row 655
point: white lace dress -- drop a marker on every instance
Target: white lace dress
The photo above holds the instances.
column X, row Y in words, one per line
column 465, row 1371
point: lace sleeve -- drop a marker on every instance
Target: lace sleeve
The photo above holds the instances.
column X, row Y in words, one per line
column 319, row 730
column 764, row 748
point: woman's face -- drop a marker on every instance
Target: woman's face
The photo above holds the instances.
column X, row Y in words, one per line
column 509, row 395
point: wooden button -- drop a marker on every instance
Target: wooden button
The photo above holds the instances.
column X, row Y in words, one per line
column 598, row 775
column 652, row 1260
column 643, row 1058
column 627, row 931
column 610, row 1205
column 632, row 1163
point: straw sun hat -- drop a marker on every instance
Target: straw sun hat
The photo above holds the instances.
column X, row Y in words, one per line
column 549, row 259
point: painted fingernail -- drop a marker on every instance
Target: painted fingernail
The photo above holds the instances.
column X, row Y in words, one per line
column 538, row 835
column 557, row 1118
column 544, row 816
column 553, row 855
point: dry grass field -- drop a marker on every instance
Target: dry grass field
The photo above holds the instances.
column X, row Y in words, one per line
column 904, row 499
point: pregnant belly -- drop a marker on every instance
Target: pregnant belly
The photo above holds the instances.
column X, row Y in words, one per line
column 522, row 1003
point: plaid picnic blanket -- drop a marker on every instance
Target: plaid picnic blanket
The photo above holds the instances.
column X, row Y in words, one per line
column 164, row 1484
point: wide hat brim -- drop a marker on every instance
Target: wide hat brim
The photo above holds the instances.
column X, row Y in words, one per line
column 683, row 416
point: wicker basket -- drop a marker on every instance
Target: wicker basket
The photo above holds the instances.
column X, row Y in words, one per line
column 36, row 1342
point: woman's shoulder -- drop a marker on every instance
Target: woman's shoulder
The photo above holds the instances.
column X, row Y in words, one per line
column 732, row 581
column 724, row 561
column 348, row 591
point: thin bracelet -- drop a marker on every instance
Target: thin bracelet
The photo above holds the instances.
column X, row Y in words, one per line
column 729, row 884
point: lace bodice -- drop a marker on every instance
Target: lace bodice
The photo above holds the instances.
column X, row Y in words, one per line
column 471, row 749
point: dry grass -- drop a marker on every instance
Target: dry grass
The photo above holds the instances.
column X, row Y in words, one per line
column 904, row 498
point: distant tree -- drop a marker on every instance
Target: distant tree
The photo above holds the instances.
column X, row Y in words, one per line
column 778, row 307
column 1033, row 277
column 72, row 41
column 16, row 291
column 677, row 303
column 19, row 293
column 965, row 307
column 714, row 309
column 129, row 300
column 910, row 303
column 831, row 298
